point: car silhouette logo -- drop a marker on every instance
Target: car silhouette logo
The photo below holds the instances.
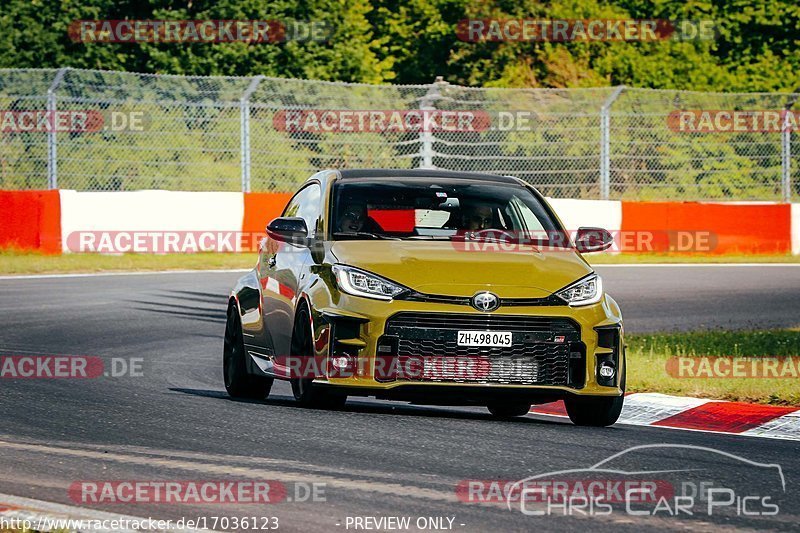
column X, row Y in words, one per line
column 485, row 301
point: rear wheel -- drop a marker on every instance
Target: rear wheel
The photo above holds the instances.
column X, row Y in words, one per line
column 238, row 382
column 509, row 410
column 304, row 390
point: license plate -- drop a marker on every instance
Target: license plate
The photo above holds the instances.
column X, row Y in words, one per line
column 484, row 338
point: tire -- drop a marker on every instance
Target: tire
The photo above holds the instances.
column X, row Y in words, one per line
column 305, row 392
column 509, row 410
column 238, row 382
column 596, row 411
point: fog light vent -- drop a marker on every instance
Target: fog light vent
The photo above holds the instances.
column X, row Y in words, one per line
column 607, row 371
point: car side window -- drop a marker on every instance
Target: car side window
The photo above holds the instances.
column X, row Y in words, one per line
column 306, row 205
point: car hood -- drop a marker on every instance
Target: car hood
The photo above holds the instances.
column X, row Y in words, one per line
column 439, row 267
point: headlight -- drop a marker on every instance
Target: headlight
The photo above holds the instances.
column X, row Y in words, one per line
column 362, row 283
column 585, row 291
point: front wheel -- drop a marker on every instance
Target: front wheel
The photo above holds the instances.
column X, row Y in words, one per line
column 238, row 382
column 305, row 392
column 597, row 411
column 509, row 410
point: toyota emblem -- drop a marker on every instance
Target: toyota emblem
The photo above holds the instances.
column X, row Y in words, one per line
column 485, row 301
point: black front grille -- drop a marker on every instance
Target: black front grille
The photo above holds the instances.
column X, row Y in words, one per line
column 487, row 321
column 539, row 354
column 551, row 300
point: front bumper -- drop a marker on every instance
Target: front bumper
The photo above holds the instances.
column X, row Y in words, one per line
column 358, row 328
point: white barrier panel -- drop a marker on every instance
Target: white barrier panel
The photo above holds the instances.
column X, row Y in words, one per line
column 606, row 214
column 796, row 229
column 112, row 222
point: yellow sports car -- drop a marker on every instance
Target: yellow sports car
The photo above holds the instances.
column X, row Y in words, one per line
column 435, row 287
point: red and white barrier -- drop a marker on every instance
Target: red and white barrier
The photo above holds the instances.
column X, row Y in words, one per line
column 31, row 220
column 52, row 221
column 699, row 414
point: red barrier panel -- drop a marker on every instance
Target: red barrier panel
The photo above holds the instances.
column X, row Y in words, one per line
column 710, row 228
column 259, row 209
column 31, row 220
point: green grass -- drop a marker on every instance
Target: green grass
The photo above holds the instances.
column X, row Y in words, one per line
column 610, row 259
column 19, row 262
column 648, row 356
column 12, row 262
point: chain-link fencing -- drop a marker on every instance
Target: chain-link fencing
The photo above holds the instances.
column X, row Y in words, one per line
column 268, row 134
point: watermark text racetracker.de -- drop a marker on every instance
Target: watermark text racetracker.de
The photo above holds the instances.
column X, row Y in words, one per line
column 162, row 241
column 462, row 121
column 733, row 121
column 72, row 121
column 583, row 30
column 489, row 240
column 196, row 523
column 733, row 367
column 69, row 367
column 191, row 492
column 641, row 241
column 199, row 31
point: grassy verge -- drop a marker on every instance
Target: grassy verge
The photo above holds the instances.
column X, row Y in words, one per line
column 648, row 356
column 610, row 259
column 34, row 263
column 15, row 262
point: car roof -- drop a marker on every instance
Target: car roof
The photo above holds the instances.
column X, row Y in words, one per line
column 423, row 173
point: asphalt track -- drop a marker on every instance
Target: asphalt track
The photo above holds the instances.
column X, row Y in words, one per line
column 174, row 422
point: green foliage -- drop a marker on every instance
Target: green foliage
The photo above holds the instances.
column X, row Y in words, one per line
column 771, row 343
column 193, row 140
column 412, row 41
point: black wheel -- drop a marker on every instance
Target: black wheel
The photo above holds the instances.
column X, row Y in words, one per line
column 238, row 382
column 509, row 410
column 305, row 392
column 597, row 411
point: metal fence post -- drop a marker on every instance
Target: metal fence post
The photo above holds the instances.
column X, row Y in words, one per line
column 52, row 161
column 244, row 131
column 426, row 137
column 786, row 158
column 605, row 141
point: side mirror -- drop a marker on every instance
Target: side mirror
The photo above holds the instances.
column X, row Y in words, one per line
column 593, row 240
column 288, row 229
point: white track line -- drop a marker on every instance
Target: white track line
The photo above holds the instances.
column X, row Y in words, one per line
column 41, row 514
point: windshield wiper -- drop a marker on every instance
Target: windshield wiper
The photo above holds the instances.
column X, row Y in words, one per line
column 430, row 237
column 364, row 234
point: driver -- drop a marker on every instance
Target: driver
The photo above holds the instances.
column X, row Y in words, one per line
column 476, row 217
column 354, row 218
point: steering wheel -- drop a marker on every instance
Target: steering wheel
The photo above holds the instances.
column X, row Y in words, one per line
column 491, row 234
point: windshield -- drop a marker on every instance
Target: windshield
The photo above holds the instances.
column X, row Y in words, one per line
column 439, row 209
